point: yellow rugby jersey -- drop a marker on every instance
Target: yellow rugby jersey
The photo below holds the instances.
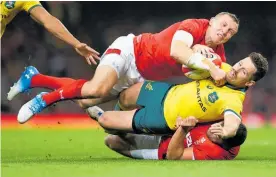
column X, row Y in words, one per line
column 9, row 9
column 203, row 100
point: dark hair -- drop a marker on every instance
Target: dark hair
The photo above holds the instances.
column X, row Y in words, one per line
column 233, row 16
column 261, row 64
column 237, row 140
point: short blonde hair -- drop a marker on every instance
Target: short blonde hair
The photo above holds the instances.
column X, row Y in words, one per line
column 233, row 16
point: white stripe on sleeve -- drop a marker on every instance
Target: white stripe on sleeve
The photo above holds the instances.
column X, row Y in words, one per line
column 184, row 36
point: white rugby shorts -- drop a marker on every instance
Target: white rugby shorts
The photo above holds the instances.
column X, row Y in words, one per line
column 120, row 56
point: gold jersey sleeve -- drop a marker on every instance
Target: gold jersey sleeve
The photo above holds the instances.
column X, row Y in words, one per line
column 29, row 5
column 201, row 99
column 9, row 9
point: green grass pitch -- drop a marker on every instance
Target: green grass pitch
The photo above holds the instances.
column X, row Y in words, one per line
column 82, row 153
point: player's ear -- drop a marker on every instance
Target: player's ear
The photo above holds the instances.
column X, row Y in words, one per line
column 250, row 83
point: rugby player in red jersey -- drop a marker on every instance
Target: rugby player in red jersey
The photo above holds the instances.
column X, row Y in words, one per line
column 131, row 59
column 198, row 143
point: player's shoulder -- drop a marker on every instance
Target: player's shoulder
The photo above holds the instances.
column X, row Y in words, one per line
column 196, row 21
column 29, row 5
column 233, row 152
column 205, row 149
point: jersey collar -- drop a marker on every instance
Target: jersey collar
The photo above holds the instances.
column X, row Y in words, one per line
column 235, row 88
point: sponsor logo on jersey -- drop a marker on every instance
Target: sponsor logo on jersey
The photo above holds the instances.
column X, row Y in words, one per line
column 149, row 86
column 200, row 141
column 10, row 4
column 4, row 16
column 213, row 97
column 199, row 100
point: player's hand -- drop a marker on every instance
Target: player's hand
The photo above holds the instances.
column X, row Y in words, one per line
column 218, row 75
column 90, row 54
column 187, row 123
column 204, row 50
column 218, row 130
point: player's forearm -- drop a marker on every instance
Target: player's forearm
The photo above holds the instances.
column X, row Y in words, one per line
column 54, row 26
column 181, row 52
column 185, row 55
column 231, row 125
column 176, row 146
column 229, row 131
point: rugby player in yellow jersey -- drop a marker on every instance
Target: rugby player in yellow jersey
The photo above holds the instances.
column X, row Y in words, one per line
column 9, row 9
column 162, row 103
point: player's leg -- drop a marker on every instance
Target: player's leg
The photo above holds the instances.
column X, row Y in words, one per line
column 149, row 119
column 117, row 120
column 134, row 146
column 113, row 66
column 71, row 91
column 118, row 144
column 38, row 80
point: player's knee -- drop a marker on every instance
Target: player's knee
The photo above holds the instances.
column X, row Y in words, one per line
column 124, row 101
column 98, row 91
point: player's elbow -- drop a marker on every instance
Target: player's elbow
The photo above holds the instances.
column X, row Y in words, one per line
column 175, row 54
column 110, row 141
column 174, row 154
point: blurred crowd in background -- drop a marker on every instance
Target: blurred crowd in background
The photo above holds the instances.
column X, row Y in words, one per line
column 100, row 23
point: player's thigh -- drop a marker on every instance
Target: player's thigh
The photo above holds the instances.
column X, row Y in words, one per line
column 128, row 97
column 104, row 78
column 114, row 65
column 117, row 120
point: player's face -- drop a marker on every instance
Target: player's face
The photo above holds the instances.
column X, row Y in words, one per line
column 222, row 28
column 241, row 73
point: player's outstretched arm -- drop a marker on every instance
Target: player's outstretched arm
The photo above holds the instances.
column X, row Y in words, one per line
column 54, row 26
column 176, row 149
column 231, row 125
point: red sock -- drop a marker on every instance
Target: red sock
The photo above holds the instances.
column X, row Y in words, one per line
column 70, row 91
column 44, row 81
